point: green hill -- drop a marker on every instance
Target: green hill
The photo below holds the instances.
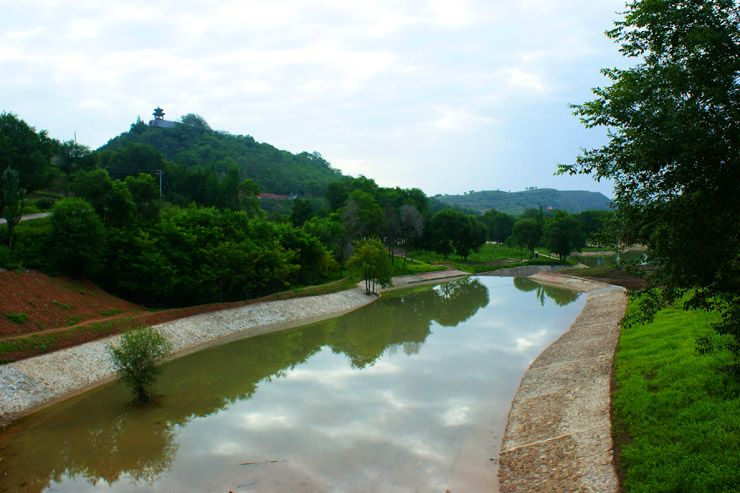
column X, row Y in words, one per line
column 515, row 203
column 192, row 142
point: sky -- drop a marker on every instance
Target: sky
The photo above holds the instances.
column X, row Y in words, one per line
column 447, row 96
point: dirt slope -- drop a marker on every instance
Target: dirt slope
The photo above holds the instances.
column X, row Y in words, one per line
column 53, row 302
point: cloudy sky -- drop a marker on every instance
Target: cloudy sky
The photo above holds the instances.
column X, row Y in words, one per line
column 444, row 95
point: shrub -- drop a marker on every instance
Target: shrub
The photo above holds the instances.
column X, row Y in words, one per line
column 136, row 356
column 18, row 318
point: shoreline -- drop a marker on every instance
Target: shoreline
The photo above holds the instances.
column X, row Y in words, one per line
column 32, row 384
column 558, row 432
column 558, row 429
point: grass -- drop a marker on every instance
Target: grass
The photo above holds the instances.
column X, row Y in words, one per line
column 12, row 349
column 413, row 267
column 487, row 253
column 676, row 413
column 488, row 258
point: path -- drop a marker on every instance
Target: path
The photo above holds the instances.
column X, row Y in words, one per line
column 558, row 434
column 28, row 217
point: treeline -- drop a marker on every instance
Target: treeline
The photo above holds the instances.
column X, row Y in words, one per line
column 199, row 236
column 193, row 144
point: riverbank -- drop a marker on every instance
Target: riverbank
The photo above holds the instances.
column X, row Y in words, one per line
column 37, row 382
column 558, row 433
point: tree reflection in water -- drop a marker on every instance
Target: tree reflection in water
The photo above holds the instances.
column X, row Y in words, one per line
column 97, row 438
column 561, row 297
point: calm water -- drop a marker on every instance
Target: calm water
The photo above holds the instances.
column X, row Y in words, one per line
column 410, row 393
column 608, row 260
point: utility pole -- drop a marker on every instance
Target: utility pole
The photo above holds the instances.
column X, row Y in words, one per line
column 159, row 171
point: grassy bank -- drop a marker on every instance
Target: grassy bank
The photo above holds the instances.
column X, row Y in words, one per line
column 676, row 413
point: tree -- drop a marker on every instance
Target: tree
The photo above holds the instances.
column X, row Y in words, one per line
column 136, row 357
column 674, row 151
column 331, row 232
column 411, row 225
column 14, row 198
column 248, row 197
column 74, row 157
column 27, row 151
column 528, row 233
column 78, row 239
column 302, row 211
column 563, row 234
column 371, row 262
column 362, row 216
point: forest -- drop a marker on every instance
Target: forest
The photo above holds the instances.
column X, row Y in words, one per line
column 203, row 234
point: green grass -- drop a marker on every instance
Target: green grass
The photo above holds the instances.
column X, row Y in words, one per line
column 42, row 343
column 676, row 412
column 413, row 267
column 487, row 253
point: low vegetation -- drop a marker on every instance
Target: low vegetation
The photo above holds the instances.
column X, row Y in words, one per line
column 675, row 411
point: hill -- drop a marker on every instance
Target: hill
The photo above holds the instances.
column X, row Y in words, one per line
column 192, row 142
column 515, row 203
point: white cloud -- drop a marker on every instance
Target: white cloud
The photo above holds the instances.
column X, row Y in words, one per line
column 376, row 86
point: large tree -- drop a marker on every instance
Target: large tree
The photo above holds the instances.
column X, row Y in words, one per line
column 563, row 234
column 674, row 150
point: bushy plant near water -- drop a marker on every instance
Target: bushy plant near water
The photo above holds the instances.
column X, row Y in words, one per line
column 136, row 357
column 675, row 410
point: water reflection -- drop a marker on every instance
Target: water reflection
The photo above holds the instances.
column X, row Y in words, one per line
column 561, row 297
column 97, row 439
column 610, row 260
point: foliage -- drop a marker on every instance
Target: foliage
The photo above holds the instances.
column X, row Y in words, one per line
column 15, row 317
column 674, row 150
column 78, row 244
column 372, row 263
column 14, row 197
column 333, row 235
column 362, row 217
column 451, row 230
column 499, row 225
column 74, row 157
column 193, row 144
column 302, row 211
column 136, row 357
column 527, row 232
column 563, row 234
column 675, row 412
column 26, row 151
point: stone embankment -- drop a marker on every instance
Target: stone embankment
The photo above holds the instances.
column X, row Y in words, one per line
column 558, row 433
column 33, row 383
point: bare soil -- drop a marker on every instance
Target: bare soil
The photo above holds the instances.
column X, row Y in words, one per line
column 609, row 276
column 81, row 312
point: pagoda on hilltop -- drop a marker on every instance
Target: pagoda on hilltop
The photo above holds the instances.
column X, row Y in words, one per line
column 159, row 120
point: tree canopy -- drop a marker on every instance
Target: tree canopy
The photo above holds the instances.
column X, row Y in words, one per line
column 674, row 150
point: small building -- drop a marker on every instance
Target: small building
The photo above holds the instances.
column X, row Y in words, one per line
column 159, row 120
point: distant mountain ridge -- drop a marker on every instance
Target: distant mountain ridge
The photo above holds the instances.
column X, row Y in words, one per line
column 514, row 203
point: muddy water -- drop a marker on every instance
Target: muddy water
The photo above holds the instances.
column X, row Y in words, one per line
column 408, row 394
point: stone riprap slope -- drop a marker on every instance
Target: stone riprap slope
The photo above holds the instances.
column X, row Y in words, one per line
column 558, row 434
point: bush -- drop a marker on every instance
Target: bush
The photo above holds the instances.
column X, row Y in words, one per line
column 136, row 356
column 45, row 203
column 79, row 242
column 17, row 318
